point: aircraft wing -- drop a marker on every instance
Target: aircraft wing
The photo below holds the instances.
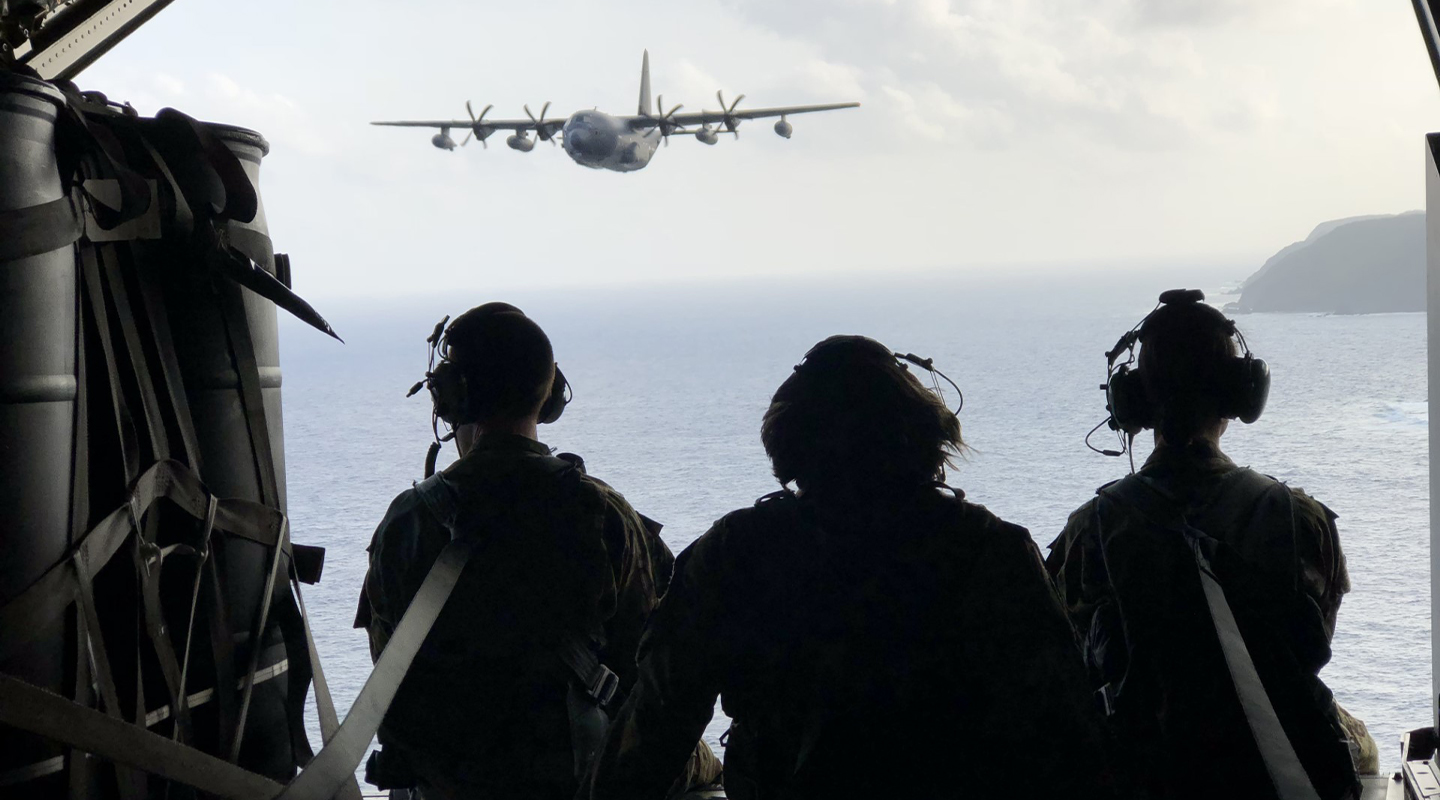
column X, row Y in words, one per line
column 716, row 117
column 516, row 125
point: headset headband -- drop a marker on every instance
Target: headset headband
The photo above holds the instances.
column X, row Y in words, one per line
column 853, row 346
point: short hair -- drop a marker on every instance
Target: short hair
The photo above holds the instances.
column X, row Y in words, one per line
column 852, row 419
column 1184, row 350
column 505, row 359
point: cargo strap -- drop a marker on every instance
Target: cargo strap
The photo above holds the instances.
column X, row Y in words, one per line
column 30, row 231
column 1288, row 775
column 59, row 587
column 69, row 583
column 32, row 709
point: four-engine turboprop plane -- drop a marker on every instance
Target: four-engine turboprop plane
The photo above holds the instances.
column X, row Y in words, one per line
column 605, row 141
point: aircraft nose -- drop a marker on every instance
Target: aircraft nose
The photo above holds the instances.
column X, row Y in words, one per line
column 579, row 138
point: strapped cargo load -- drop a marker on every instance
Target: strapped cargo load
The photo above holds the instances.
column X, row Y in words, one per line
column 146, row 571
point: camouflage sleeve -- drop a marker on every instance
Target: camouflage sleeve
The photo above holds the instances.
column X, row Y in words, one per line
column 641, row 565
column 1024, row 654
column 404, row 547
column 1076, row 570
column 1323, row 574
column 656, row 731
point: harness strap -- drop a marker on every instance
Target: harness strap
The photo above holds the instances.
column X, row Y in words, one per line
column 599, row 682
column 335, row 764
column 1288, row 775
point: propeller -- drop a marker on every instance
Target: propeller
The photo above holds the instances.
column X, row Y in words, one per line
column 475, row 124
column 731, row 122
column 665, row 124
column 541, row 130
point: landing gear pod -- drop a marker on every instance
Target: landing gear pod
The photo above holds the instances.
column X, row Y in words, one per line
column 37, row 404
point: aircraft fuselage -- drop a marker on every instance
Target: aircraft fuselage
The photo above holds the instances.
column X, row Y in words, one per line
column 597, row 140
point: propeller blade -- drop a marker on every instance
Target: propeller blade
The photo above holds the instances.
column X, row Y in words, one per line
column 469, row 110
column 544, row 109
column 532, row 116
column 467, row 138
column 484, row 112
column 736, row 103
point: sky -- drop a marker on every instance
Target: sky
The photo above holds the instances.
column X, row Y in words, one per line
column 994, row 136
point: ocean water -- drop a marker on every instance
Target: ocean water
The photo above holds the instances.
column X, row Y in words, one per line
column 670, row 384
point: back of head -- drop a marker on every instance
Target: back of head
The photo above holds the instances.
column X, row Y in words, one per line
column 1187, row 361
column 851, row 422
column 504, row 360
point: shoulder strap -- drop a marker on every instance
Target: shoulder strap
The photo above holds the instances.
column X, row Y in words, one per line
column 1159, row 509
column 442, row 500
column 336, row 762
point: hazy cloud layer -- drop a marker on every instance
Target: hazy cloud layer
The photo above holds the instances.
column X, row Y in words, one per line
column 992, row 134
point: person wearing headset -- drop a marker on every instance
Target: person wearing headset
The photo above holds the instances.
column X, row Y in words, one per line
column 869, row 631
column 511, row 691
column 1205, row 594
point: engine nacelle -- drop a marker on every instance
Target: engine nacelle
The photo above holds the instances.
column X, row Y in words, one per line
column 783, row 128
column 443, row 141
column 706, row 136
column 522, row 143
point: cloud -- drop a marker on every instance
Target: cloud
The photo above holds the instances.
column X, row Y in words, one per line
column 1027, row 66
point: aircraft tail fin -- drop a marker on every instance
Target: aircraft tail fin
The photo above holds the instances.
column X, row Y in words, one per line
column 645, row 104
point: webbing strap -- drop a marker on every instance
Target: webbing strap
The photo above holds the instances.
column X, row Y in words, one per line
column 1288, row 775
column 56, row 589
column 33, row 709
column 30, row 231
column 94, row 291
column 153, row 427
column 336, row 762
column 202, row 554
column 252, row 399
column 256, row 640
column 599, row 682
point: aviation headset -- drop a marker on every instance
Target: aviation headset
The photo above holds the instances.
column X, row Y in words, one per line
column 850, row 347
column 1241, row 383
column 449, row 384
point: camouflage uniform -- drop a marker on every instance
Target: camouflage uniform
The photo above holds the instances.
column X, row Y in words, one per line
column 1149, row 641
column 482, row 711
column 915, row 650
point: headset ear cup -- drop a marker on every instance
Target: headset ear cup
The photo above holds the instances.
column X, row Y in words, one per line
column 1252, row 388
column 1127, row 400
column 555, row 403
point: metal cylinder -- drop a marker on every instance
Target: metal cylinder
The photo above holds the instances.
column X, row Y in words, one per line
column 37, row 409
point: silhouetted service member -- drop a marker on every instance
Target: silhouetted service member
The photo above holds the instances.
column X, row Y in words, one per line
column 1129, row 568
column 505, row 698
column 870, row 632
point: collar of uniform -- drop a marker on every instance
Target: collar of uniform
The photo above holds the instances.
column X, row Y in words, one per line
column 1198, row 456
column 502, row 442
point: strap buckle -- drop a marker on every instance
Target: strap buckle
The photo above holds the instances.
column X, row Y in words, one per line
column 603, row 685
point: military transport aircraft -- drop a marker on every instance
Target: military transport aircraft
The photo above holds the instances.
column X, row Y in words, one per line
column 604, row 141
